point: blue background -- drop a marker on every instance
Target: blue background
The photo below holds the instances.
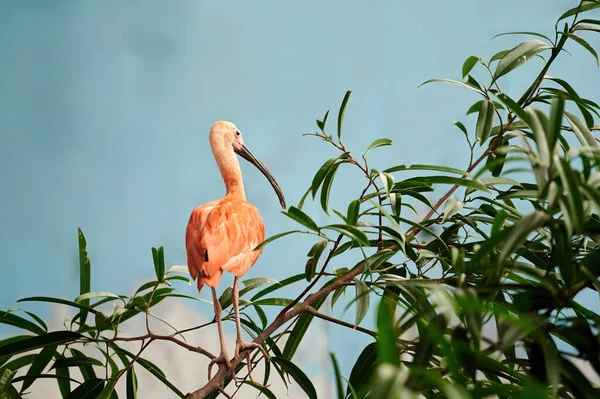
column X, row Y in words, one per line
column 105, row 109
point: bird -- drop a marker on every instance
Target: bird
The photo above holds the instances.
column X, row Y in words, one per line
column 222, row 235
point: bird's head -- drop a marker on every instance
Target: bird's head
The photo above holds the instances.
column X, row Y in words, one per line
column 226, row 135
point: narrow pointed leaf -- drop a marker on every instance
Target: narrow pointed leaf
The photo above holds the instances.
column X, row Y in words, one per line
column 518, row 56
column 468, row 65
column 363, row 369
column 585, row 6
column 524, row 33
column 40, row 363
column 158, row 256
column 378, row 143
column 132, row 383
column 84, row 273
column 301, row 217
column 11, row 319
column 338, row 376
column 353, row 212
column 454, row 82
column 585, row 45
column 298, row 375
column 362, row 300
column 27, row 344
column 581, row 131
column 341, row 113
column 484, row 121
column 275, row 237
column 351, row 232
column 452, row 207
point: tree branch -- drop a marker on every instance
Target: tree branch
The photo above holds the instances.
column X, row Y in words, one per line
column 217, row 381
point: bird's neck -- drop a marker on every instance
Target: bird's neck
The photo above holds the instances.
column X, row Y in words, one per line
column 231, row 172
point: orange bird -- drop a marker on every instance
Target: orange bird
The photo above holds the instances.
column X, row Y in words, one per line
column 221, row 235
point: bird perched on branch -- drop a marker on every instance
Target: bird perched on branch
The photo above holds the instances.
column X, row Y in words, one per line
column 221, row 235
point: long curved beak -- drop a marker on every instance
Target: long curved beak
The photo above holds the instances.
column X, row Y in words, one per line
column 245, row 153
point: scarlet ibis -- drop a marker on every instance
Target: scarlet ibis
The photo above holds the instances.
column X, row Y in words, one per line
column 221, row 235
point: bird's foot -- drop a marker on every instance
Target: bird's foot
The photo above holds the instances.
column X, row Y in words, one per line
column 241, row 346
column 223, row 358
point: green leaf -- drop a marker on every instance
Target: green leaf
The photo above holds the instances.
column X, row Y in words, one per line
column 98, row 294
column 484, row 121
column 437, row 168
column 301, row 217
column 514, row 107
column 476, row 184
column 63, row 379
column 178, row 269
column 158, row 256
column 321, row 124
column 588, row 24
column 523, row 33
column 462, row 127
column 363, row 369
column 454, row 82
column 386, row 337
column 275, row 237
column 498, row 55
column 314, row 254
column 378, row 143
column 585, row 45
column 249, row 285
column 90, row 389
column 326, row 189
column 278, row 285
column 81, row 306
column 353, row 212
column 298, row 375
column 537, row 123
column 338, row 376
column 555, row 122
column 262, row 389
column 19, row 362
column 151, row 367
column 518, row 56
column 477, row 106
column 571, row 184
column 5, row 380
column 468, row 65
column 322, row 172
column 39, row 364
column 6, row 317
column 84, row 273
column 583, row 7
column 581, row 131
column 77, row 360
column 299, row 330
column 362, row 300
column 352, row 232
column 132, row 383
column 495, row 181
column 40, row 341
column 519, row 232
column 452, row 207
column 341, row 114
column 272, row 302
column 84, row 363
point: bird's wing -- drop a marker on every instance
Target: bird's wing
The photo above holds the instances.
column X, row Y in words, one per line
column 224, row 239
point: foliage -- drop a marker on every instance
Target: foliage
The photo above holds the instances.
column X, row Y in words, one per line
column 479, row 298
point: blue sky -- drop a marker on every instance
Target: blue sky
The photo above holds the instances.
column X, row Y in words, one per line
column 105, row 109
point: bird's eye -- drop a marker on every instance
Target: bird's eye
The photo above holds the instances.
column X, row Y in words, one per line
column 237, row 132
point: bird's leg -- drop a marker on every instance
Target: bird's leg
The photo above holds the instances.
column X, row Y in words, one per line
column 240, row 344
column 223, row 357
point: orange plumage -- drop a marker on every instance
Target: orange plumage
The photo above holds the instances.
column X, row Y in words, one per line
column 221, row 235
